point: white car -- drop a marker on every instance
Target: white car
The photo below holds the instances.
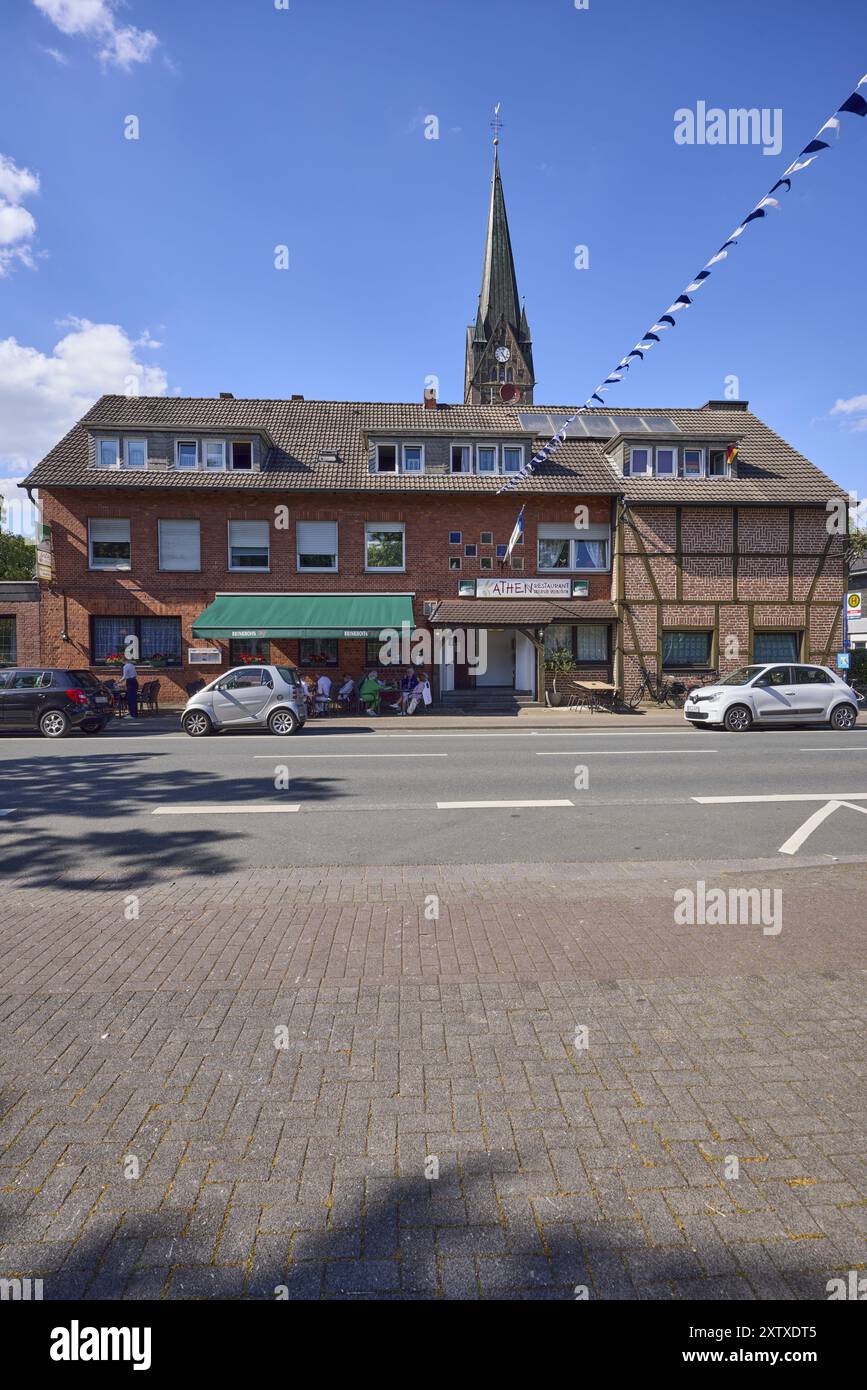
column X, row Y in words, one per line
column 774, row 693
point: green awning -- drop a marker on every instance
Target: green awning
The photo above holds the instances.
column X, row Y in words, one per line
column 303, row 615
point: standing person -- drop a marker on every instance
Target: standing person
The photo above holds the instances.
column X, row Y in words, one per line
column 130, row 675
column 323, row 693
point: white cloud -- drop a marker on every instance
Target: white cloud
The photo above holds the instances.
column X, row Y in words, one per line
column 855, row 412
column 120, row 46
column 17, row 224
column 58, row 57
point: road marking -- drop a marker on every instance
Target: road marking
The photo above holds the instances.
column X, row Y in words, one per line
column 793, row 844
column 344, row 756
column 495, row 805
column 626, row 752
column 241, row 808
column 782, row 796
column 856, row 747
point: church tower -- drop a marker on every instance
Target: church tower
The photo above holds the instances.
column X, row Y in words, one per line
column 499, row 355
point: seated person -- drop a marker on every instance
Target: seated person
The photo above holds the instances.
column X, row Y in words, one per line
column 406, row 687
column 420, row 694
column 369, row 692
column 323, row 694
column 347, row 691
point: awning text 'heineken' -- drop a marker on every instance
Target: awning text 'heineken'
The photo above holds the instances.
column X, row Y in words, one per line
column 303, row 615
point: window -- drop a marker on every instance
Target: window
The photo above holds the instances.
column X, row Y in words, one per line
column 461, row 457
column 639, row 461
column 107, row 453
column 561, row 547
column 180, row 545
column 317, row 651
column 242, row 454
column 810, row 675
column 246, row 680
column 135, row 453
column 486, row 458
column 513, row 458
column 588, row 642
column 486, row 562
column 316, row 543
column 214, row 455
column 685, row 648
column 666, row 463
column 8, row 649
column 187, row 453
column 471, row 551
column 454, row 537
column 386, row 458
column 246, row 651
column 159, row 639
column 487, row 538
column 372, row 649
column 384, row 545
column 776, row 646
column 109, row 544
column 716, row 463
column 501, row 552
column 517, row 562
column 454, row 562
column 248, row 545
column 413, row 458
column 28, row 680
column 693, row 463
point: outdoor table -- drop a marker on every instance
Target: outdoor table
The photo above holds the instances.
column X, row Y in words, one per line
column 598, row 692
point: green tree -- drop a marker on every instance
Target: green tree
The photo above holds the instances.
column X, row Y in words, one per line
column 17, row 556
column 858, row 543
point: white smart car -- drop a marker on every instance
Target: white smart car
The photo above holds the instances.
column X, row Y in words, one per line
column 774, row 693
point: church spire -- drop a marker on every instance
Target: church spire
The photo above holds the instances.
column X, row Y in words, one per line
column 499, row 355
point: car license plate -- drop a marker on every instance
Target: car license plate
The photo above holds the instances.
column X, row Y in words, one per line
column 101, row 699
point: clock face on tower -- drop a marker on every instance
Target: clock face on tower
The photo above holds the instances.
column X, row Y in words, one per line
column 502, row 354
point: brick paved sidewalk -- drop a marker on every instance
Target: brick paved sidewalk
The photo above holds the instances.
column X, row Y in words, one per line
column 139, row 1037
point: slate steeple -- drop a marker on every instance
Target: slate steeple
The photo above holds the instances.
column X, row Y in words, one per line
column 499, row 350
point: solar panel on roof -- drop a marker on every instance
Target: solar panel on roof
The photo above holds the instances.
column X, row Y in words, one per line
column 661, row 424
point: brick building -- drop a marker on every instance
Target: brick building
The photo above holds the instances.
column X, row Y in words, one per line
column 219, row 530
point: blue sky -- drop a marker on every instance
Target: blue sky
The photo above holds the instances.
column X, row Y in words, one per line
column 306, row 127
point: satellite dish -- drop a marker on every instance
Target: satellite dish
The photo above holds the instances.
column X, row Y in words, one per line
column 510, row 393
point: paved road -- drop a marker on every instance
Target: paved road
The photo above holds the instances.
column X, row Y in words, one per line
column 238, row 1045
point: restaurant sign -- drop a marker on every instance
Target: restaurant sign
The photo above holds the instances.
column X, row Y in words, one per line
column 523, row 588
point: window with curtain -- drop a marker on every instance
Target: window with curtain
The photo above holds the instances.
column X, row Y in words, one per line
column 776, row 646
column 317, row 651
column 591, row 555
column 316, row 543
column 180, row 545
column 564, row 547
column 7, row 642
column 158, row 638
column 246, row 651
column 107, row 453
column 686, row 648
column 588, row 642
column 109, row 635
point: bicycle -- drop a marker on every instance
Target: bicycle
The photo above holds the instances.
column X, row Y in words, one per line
column 663, row 692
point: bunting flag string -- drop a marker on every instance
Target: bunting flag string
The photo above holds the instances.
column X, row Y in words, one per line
column 855, row 105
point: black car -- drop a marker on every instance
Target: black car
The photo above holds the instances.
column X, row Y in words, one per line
column 52, row 701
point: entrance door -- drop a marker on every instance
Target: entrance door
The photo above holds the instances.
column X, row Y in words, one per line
column 500, row 665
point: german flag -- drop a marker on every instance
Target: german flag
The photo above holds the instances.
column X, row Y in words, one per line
column 731, row 455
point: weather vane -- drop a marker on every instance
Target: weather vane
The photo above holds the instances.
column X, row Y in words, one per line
column 496, row 123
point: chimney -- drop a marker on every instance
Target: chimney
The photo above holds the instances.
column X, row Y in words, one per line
column 430, row 398
column 726, row 405
column 227, row 396
column 297, row 398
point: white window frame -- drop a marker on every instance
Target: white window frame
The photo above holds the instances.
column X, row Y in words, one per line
column 161, row 521
column 135, row 439
column 412, row 472
column 207, row 444
column 519, row 448
column 388, row 444
column 648, row 450
column 99, row 443
column 694, row 449
column 249, row 444
column 670, row 449
column 247, row 569
column 468, row 458
column 384, row 526
column 488, row 472
column 115, row 568
column 716, row 449
column 318, row 569
column 597, row 531
column 186, row 468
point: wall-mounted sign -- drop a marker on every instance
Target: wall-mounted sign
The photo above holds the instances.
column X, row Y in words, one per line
column 523, row 588
column 843, row 661
column 45, row 554
column 580, row 588
column 204, row 656
column 853, row 606
column 249, row 632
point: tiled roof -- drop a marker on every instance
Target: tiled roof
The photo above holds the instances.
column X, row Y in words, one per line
column 770, row 470
column 460, row 612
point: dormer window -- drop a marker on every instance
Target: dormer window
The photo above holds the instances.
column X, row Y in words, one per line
column 242, row 454
column 187, row 453
column 107, row 453
column 135, row 453
column 640, row 461
column 214, row 455
column 716, row 463
column 693, row 463
column 386, row 458
column 666, row 463
column 413, row 458
column 486, row 458
column 461, row 458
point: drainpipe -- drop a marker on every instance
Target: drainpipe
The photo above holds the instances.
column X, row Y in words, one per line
column 619, row 588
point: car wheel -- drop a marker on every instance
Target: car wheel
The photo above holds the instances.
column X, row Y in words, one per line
column 843, row 717
column 738, row 719
column 284, row 721
column 54, row 724
column 93, row 726
column 197, row 724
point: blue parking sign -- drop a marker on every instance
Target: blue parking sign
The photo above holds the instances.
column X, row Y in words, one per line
column 842, row 661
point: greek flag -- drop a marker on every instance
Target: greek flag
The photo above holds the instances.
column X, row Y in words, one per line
column 516, row 535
